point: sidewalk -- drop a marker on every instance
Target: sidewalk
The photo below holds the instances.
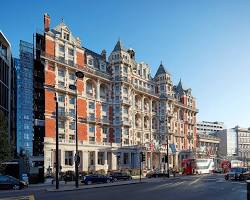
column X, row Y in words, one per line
column 66, row 187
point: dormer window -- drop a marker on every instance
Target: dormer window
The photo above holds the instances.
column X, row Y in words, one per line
column 103, row 66
column 144, row 73
column 117, row 69
column 90, row 62
column 162, row 88
column 61, row 48
column 71, row 52
column 125, row 69
column 66, row 36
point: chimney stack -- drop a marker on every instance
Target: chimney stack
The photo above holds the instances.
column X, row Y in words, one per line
column 46, row 22
column 103, row 54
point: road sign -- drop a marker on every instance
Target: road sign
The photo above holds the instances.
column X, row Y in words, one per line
column 173, row 149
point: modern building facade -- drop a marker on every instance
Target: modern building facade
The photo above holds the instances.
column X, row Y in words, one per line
column 205, row 127
column 228, row 142
column 24, row 70
column 208, row 146
column 122, row 110
column 7, row 86
column 243, row 142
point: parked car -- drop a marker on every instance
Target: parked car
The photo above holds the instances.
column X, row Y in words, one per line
column 69, row 176
column 155, row 175
column 49, row 179
column 120, row 176
column 96, row 178
column 9, row 182
column 238, row 173
column 218, row 171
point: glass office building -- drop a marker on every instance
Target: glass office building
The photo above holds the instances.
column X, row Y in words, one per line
column 24, row 70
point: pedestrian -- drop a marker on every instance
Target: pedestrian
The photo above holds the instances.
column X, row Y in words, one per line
column 174, row 171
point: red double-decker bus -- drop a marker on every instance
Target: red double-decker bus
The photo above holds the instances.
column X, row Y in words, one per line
column 188, row 166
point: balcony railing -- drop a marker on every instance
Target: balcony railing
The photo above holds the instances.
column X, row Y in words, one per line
column 68, row 62
column 105, row 120
column 144, row 89
column 63, row 115
column 127, row 123
column 93, row 119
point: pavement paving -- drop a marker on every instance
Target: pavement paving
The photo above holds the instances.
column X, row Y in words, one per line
column 204, row 187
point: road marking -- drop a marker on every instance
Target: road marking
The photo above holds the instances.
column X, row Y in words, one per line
column 195, row 181
column 164, row 186
column 31, row 197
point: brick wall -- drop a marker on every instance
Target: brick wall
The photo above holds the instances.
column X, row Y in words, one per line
column 82, row 132
column 111, row 135
column 185, row 135
column 98, row 134
column 80, row 59
column 50, row 77
column 98, row 111
column 81, row 108
column 50, row 127
column 50, row 47
column 80, row 86
column 50, row 104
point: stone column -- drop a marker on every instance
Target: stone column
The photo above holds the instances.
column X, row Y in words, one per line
column 85, row 161
column 121, row 160
column 113, row 161
column 151, row 160
column 98, row 90
column 105, row 158
column 129, row 159
column 96, row 160
column 106, row 161
column 56, row 47
column 75, row 55
column 66, row 51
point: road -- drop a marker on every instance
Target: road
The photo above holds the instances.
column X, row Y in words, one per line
column 204, row 187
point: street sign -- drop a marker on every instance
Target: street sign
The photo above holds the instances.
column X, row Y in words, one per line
column 173, row 149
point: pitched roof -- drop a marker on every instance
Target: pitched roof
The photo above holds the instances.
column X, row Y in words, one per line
column 161, row 70
column 119, row 46
column 180, row 84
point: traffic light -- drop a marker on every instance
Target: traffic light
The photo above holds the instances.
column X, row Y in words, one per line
column 166, row 158
column 142, row 157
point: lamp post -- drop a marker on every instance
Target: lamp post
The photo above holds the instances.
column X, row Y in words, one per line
column 166, row 158
column 189, row 137
column 78, row 74
column 57, row 146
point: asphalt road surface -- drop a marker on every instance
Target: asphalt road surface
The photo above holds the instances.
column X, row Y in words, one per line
column 207, row 187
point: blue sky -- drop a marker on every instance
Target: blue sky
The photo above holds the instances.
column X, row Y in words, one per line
column 206, row 43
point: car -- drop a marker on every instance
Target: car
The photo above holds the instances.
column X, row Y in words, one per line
column 96, row 178
column 69, row 176
column 9, row 182
column 120, row 176
column 238, row 173
column 156, row 174
column 218, row 171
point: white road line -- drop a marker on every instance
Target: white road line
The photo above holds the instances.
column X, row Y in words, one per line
column 164, row 186
column 195, row 181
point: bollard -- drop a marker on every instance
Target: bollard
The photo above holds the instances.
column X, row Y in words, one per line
column 248, row 189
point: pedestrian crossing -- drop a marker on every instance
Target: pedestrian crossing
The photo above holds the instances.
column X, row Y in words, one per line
column 31, row 197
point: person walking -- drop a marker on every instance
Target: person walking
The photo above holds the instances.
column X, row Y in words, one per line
column 174, row 171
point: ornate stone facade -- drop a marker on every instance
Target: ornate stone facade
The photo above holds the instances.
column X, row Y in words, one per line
column 122, row 110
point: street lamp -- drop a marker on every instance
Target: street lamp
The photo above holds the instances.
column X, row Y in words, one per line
column 57, row 145
column 78, row 74
column 189, row 137
column 162, row 121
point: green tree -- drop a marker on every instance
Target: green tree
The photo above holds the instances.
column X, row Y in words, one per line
column 5, row 148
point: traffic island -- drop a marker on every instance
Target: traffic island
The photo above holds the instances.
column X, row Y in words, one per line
column 63, row 188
